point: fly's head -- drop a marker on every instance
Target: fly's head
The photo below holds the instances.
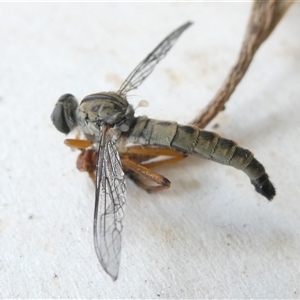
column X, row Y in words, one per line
column 104, row 109
column 64, row 113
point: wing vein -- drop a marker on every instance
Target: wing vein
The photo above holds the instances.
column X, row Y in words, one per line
column 109, row 206
column 145, row 67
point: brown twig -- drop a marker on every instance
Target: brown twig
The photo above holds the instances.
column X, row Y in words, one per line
column 264, row 17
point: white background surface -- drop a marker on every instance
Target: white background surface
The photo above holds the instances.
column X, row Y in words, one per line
column 210, row 235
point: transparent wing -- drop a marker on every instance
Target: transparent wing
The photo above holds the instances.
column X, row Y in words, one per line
column 109, row 208
column 138, row 75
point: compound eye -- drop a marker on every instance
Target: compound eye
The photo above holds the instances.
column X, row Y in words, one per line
column 58, row 119
column 63, row 115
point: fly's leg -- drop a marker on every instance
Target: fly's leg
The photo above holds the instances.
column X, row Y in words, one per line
column 87, row 159
column 78, row 144
column 140, row 154
column 131, row 161
column 137, row 180
column 135, row 170
column 135, row 165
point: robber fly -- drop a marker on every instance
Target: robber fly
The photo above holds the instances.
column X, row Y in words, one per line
column 117, row 142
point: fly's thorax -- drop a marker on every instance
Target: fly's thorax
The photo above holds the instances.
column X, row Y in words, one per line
column 104, row 109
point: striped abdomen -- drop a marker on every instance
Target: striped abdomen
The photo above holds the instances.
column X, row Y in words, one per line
column 206, row 144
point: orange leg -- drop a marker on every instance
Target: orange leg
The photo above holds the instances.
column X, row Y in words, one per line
column 135, row 165
column 87, row 160
column 134, row 170
column 134, row 162
column 141, row 154
column 78, row 144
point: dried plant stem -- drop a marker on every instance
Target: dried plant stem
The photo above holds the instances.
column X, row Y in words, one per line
column 264, row 17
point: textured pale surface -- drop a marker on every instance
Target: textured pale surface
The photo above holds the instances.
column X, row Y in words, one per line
column 210, row 235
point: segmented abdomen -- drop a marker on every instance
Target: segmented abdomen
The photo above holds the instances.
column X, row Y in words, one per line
column 206, row 144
